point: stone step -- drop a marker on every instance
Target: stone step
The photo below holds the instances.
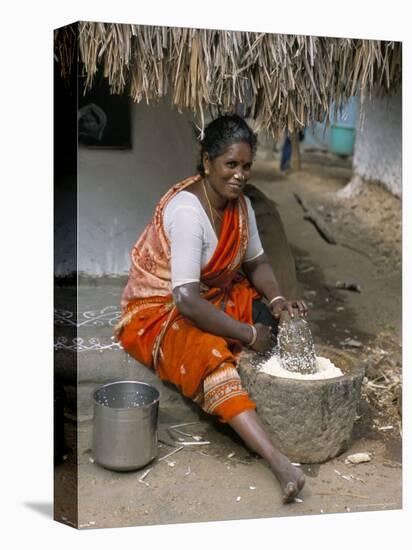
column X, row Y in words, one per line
column 79, row 434
column 86, row 356
column 80, row 396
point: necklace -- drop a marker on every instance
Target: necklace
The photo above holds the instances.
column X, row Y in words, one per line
column 211, row 208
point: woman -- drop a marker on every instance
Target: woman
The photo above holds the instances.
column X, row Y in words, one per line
column 187, row 310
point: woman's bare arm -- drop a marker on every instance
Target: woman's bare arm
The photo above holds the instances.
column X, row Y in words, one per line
column 260, row 274
column 209, row 318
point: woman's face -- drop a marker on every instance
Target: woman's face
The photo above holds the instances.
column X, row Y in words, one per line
column 229, row 172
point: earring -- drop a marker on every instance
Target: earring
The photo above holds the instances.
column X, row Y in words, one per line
column 206, row 172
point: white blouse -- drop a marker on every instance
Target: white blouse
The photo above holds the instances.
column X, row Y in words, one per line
column 193, row 240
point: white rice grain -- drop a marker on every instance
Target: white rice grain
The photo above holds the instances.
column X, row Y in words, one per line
column 324, row 369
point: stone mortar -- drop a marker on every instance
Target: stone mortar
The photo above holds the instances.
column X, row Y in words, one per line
column 310, row 421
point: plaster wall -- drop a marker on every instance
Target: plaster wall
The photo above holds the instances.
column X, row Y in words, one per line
column 378, row 145
column 118, row 189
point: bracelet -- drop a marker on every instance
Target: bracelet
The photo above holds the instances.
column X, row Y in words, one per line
column 276, row 298
column 254, row 337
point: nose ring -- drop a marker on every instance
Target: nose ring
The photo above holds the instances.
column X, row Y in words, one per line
column 237, row 177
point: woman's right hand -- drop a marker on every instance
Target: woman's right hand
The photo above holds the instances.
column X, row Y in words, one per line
column 264, row 339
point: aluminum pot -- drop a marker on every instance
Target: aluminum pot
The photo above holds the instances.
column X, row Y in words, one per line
column 125, row 424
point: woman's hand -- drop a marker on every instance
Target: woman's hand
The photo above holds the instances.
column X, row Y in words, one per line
column 288, row 305
column 264, row 339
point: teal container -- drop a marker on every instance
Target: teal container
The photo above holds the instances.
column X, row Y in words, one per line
column 342, row 139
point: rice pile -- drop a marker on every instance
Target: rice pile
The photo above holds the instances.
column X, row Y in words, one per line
column 324, row 369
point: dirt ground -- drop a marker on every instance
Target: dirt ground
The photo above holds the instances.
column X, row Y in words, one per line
column 223, row 480
column 367, row 228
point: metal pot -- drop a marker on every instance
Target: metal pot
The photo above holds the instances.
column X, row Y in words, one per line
column 125, row 424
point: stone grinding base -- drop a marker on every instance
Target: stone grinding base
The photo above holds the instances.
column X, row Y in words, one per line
column 310, row 421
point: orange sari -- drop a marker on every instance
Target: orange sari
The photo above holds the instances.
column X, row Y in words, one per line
column 200, row 364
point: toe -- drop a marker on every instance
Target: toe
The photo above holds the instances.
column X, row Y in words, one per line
column 290, row 492
column 292, row 489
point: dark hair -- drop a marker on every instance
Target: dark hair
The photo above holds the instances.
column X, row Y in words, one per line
column 223, row 132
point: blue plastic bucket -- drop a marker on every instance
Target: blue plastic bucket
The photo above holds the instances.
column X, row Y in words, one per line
column 342, row 139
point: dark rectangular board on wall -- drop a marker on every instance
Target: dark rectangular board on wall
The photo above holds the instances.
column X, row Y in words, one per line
column 103, row 118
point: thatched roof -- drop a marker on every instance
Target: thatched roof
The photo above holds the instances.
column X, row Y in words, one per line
column 285, row 80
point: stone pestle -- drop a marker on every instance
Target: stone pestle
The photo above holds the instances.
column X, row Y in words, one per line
column 295, row 344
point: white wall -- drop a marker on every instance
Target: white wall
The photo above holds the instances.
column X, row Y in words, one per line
column 118, row 189
column 378, row 145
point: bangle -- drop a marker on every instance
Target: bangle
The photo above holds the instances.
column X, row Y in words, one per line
column 254, row 337
column 276, row 298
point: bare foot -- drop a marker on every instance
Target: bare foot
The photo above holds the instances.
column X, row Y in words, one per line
column 248, row 425
column 292, row 489
column 291, row 479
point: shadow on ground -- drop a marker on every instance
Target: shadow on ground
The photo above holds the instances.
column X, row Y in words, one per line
column 329, row 326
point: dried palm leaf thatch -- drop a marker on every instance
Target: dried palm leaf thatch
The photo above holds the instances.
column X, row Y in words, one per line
column 65, row 41
column 282, row 81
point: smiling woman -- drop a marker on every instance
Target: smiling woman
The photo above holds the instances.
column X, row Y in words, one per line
column 226, row 175
column 193, row 298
